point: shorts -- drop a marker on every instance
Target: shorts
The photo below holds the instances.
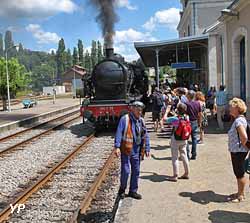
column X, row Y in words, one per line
column 238, row 161
column 156, row 115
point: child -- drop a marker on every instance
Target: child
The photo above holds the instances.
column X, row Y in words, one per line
column 179, row 145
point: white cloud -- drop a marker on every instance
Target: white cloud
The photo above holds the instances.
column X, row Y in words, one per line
column 169, row 18
column 124, row 42
column 125, row 4
column 131, row 36
column 35, row 8
column 41, row 35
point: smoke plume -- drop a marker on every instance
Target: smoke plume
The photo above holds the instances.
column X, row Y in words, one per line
column 106, row 19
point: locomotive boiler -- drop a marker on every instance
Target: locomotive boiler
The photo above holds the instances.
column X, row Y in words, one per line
column 113, row 86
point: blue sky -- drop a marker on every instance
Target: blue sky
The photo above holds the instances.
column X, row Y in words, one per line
column 40, row 24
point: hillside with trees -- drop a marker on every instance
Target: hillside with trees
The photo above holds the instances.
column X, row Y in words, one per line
column 45, row 69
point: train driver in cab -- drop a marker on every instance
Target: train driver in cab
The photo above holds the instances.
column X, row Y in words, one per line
column 131, row 143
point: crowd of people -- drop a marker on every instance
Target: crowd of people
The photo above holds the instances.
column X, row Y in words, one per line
column 186, row 111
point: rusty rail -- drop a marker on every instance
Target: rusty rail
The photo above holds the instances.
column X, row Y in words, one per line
column 4, row 215
column 85, row 204
column 12, row 148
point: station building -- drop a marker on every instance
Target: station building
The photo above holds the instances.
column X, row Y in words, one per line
column 231, row 32
column 195, row 53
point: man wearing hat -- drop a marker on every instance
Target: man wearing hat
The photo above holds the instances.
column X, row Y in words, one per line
column 131, row 143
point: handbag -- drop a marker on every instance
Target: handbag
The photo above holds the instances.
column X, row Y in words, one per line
column 247, row 165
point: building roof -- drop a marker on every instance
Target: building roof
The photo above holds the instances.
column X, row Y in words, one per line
column 167, row 49
column 77, row 69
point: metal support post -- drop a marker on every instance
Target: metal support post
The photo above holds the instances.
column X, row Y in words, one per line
column 157, row 68
column 8, row 84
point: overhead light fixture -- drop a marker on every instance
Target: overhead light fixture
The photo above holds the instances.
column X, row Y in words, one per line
column 230, row 12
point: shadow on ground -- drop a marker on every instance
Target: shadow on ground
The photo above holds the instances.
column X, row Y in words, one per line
column 205, row 197
column 82, row 129
column 158, row 147
column 160, row 158
column 220, row 216
column 154, row 177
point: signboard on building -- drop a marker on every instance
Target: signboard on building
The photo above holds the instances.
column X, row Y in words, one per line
column 183, row 65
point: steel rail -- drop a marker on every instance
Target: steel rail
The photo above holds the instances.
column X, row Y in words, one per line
column 36, row 126
column 12, row 148
column 85, row 204
column 4, row 215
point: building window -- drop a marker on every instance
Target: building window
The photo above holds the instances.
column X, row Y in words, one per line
column 188, row 30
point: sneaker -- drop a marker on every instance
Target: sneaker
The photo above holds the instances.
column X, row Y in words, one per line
column 135, row 195
column 121, row 193
column 193, row 158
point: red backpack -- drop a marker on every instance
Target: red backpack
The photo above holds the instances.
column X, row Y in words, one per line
column 183, row 130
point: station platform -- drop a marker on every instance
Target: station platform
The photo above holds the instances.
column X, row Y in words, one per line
column 18, row 114
column 201, row 199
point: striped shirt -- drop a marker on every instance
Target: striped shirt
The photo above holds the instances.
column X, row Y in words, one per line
column 221, row 98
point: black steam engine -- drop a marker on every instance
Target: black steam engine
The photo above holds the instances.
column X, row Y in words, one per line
column 112, row 86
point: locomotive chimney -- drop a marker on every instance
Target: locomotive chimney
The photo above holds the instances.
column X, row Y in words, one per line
column 109, row 52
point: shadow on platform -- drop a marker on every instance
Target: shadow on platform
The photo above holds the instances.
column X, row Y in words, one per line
column 160, row 147
column 154, row 177
column 220, row 216
column 160, row 158
column 205, row 197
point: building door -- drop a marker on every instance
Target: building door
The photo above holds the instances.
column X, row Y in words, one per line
column 242, row 70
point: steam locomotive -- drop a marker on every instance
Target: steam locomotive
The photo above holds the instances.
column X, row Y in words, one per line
column 111, row 88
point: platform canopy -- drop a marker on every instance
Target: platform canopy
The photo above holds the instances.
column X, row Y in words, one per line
column 169, row 51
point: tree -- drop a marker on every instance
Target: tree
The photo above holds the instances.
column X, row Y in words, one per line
column 94, row 58
column 18, row 78
column 42, row 76
column 75, row 56
column 99, row 51
column 80, row 52
column 60, row 58
column 68, row 60
column 9, row 43
column 88, row 62
column 1, row 45
column 20, row 49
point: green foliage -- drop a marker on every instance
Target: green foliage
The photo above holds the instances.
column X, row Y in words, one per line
column 75, row 56
column 88, row 62
column 169, row 71
column 1, row 45
column 94, row 55
column 68, row 60
column 42, row 76
column 18, row 77
column 60, row 58
column 12, row 52
column 80, row 52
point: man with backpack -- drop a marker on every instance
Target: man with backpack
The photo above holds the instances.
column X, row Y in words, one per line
column 195, row 116
column 157, row 108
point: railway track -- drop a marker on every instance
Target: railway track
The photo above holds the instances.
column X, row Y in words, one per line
column 68, row 187
column 14, row 141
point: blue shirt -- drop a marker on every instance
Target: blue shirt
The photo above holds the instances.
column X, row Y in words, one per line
column 221, row 98
column 120, row 131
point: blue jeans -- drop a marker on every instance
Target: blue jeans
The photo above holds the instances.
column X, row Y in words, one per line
column 130, row 162
column 194, row 134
